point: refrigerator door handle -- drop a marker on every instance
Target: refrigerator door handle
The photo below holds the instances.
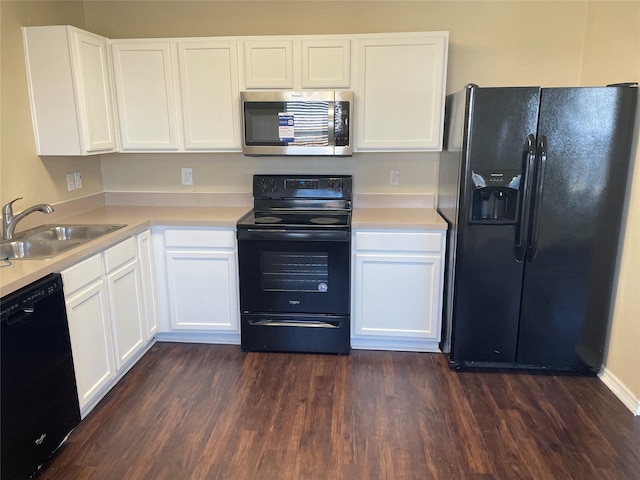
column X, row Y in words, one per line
column 532, row 249
column 525, row 205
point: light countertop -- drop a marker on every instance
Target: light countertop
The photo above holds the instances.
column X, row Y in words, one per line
column 400, row 218
column 138, row 218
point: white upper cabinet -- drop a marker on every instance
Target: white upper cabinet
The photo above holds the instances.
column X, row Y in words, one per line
column 326, row 63
column 145, row 95
column 210, row 95
column 177, row 94
column 300, row 62
column 183, row 94
column 400, row 92
column 268, row 64
column 69, row 82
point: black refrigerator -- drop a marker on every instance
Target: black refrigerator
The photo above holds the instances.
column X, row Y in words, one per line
column 533, row 183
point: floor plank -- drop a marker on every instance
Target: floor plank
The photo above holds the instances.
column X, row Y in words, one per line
column 189, row 411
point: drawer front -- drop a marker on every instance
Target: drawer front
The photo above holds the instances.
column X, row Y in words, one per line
column 204, row 238
column 81, row 274
column 124, row 252
column 399, row 241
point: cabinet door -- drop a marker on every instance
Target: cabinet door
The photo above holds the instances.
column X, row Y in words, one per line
column 400, row 93
column 268, row 63
column 91, row 343
column 397, row 295
column 145, row 95
column 326, row 63
column 203, row 291
column 210, row 98
column 93, row 84
column 126, row 312
column 148, row 283
column 69, row 82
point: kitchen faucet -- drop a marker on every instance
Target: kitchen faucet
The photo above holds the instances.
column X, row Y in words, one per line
column 9, row 221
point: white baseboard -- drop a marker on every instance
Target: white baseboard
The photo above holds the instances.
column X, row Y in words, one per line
column 199, row 337
column 620, row 390
column 395, row 344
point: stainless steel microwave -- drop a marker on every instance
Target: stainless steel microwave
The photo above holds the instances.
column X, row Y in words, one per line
column 286, row 122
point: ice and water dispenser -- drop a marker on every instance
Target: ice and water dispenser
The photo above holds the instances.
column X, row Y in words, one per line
column 495, row 196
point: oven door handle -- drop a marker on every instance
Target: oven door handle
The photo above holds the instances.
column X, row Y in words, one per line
column 294, row 235
column 295, row 323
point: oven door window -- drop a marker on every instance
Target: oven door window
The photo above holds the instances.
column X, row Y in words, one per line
column 294, row 271
column 300, row 277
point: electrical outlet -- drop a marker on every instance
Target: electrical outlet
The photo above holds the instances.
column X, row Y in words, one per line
column 77, row 176
column 394, row 177
column 187, row 176
column 71, row 182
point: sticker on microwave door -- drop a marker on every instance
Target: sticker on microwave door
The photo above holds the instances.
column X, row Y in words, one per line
column 285, row 127
column 323, row 287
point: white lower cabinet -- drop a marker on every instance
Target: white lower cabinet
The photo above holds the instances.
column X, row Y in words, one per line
column 89, row 328
column 200, row 281
column 148, row 274
column 125, row 300
column 397, row 290
column 107, row 321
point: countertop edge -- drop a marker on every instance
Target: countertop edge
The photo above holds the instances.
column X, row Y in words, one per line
column 140, row 218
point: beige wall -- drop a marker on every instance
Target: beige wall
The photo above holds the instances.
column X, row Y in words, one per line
column 491, row 43
column 22, row 172
column 616, row 27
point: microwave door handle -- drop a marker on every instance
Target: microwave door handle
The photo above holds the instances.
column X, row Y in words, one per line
column 331, row 123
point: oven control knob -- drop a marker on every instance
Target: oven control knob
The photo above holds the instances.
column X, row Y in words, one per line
column 267, row 185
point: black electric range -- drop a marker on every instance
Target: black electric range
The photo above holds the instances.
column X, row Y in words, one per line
column 294, row 264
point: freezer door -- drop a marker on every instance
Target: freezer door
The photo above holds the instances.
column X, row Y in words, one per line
column 568, row 276
column 488, row 277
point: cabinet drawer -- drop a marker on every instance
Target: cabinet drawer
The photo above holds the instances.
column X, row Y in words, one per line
column 120, row 254
column 81, row 274
column 399, row 241
column 200, row 238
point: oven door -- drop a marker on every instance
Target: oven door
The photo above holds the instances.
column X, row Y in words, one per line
column 294, row 272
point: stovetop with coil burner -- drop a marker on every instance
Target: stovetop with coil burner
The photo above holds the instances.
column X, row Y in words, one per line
column 310, row 201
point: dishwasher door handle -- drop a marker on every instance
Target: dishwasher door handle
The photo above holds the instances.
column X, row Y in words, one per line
column 21, row 315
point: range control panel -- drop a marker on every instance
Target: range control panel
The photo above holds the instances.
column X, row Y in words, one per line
column 312, row 186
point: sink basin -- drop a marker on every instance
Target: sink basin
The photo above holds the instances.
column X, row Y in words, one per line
column 71, row 232
column 47, row 241
column 34, row 249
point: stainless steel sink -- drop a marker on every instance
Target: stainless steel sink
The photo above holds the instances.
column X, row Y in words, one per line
column 72, row 232
column 47, row 241
column 34, row 249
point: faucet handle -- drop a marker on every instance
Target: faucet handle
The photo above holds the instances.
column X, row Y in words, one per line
column 7, row 210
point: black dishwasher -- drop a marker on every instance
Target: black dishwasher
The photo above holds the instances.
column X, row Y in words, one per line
column 38, row 387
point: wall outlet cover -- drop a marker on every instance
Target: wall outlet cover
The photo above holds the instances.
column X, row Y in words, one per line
column 78, row 179
column 187, row 176
column 71, row 182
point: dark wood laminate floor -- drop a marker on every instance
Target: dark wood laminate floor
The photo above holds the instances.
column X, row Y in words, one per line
column 188, row 411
